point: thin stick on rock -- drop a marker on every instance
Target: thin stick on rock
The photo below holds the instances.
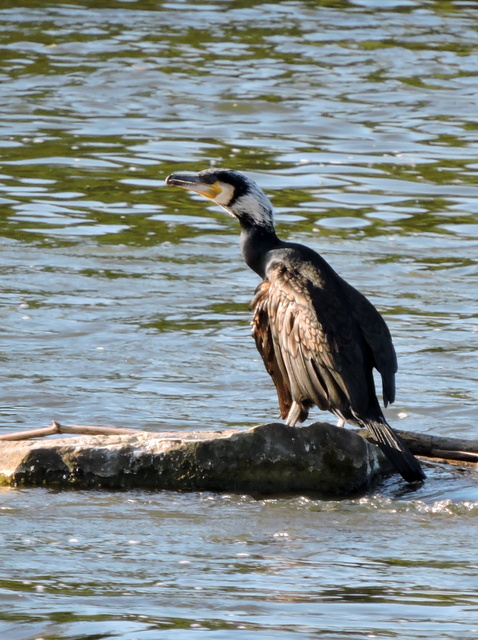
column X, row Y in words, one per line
column 56, row 428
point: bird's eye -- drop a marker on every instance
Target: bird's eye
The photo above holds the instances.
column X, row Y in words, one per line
column 208, row 178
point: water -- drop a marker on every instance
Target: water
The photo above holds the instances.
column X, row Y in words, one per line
column 125, row 303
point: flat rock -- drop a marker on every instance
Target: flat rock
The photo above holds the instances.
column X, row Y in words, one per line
column 271, row 458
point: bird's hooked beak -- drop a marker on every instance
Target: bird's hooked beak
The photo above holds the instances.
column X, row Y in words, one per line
column 194, row 182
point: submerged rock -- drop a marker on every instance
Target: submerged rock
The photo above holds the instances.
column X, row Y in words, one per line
column 267, row 459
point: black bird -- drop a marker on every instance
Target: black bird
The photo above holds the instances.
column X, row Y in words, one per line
column 319, row 337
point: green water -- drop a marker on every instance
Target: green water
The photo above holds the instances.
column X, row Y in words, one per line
column 125, row 302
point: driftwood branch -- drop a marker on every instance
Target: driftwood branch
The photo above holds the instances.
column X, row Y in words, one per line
column 57, row 428
column 444, row 448
column 441, row 447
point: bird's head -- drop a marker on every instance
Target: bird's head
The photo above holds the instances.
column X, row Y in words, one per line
column 232, row 190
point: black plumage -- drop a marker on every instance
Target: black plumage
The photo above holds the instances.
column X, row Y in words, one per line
column 319, row 337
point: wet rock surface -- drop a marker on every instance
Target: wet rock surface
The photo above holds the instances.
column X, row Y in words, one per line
column 267, row 459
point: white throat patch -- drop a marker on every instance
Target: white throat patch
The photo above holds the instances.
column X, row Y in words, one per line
column 253, row 206
column 226, row 195
column 258, row 210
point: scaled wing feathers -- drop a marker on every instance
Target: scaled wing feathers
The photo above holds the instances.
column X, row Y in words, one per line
column 308, row 343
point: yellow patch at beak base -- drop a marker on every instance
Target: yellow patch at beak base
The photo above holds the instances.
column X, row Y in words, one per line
column 193, row 183
column 208, row 190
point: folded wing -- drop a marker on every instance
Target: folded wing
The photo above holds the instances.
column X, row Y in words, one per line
column 311, row 344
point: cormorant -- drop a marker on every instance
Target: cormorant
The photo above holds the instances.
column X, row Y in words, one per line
column 318, row 336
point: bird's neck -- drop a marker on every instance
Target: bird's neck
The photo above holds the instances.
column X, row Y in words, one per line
column 256, row 242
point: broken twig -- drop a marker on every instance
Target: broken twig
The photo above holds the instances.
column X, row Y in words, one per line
column 56, row 428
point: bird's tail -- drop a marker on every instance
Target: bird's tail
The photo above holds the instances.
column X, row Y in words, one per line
column 396, row 450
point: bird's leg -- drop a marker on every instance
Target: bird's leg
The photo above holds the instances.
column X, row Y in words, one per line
column 295, row 413
column 341, row 422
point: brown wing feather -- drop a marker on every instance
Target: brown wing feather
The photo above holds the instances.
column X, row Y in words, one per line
column 307, row 342
column 261, row 331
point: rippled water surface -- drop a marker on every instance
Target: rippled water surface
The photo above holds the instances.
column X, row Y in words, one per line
column 125, row 303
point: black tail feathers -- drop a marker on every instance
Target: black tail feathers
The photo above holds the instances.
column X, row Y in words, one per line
column 396, row 451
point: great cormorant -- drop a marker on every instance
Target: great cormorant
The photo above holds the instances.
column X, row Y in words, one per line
column 319, row 337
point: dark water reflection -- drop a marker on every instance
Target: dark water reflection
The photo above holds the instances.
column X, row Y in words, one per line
column 124, row 302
